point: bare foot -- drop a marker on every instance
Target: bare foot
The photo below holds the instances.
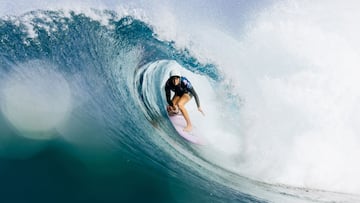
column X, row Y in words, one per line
column 188, row 128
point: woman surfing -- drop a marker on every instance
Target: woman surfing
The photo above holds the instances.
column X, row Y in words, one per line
column 184, row 91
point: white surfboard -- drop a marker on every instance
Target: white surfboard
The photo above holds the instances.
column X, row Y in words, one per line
column 179, row 123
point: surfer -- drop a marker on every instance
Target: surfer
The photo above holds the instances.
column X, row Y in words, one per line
column 184, row 91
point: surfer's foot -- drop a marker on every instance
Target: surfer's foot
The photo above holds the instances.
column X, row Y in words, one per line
column 188, row 128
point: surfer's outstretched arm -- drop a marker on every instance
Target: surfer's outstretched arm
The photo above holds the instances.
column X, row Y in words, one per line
column 193, row 92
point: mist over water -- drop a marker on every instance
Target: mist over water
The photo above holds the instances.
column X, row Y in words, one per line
column 296, row 67
column 281, row 99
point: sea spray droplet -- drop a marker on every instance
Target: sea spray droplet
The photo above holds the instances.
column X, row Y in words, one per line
column 36, row 99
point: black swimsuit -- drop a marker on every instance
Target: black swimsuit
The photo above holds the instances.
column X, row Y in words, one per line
column 184, row 87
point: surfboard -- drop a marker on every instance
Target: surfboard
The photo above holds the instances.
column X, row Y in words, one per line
column 179, row 123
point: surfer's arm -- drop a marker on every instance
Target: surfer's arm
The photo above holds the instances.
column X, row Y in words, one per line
column 168, row 95
column 193, row 92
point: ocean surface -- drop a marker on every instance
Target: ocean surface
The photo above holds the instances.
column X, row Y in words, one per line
column 83, row 109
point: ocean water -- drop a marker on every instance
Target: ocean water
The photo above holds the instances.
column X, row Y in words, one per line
column 83, row 114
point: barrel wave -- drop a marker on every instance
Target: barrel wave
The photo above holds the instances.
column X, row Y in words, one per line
column 83, row 117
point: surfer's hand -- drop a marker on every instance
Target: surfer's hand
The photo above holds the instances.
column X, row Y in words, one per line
column 201, row 111
column 175, row 108
column 171, row 108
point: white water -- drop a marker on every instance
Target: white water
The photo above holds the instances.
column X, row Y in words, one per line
column 294, row 63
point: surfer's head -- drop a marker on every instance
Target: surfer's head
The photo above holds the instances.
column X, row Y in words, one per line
column 175, row 73
column 175, row 77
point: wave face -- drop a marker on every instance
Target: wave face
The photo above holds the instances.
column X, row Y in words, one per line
column 82, row 103
column 72, row 80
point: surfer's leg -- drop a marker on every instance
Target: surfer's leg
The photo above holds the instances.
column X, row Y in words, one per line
column 181, row 104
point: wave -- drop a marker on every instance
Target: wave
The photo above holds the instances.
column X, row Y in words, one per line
column 99, row 83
